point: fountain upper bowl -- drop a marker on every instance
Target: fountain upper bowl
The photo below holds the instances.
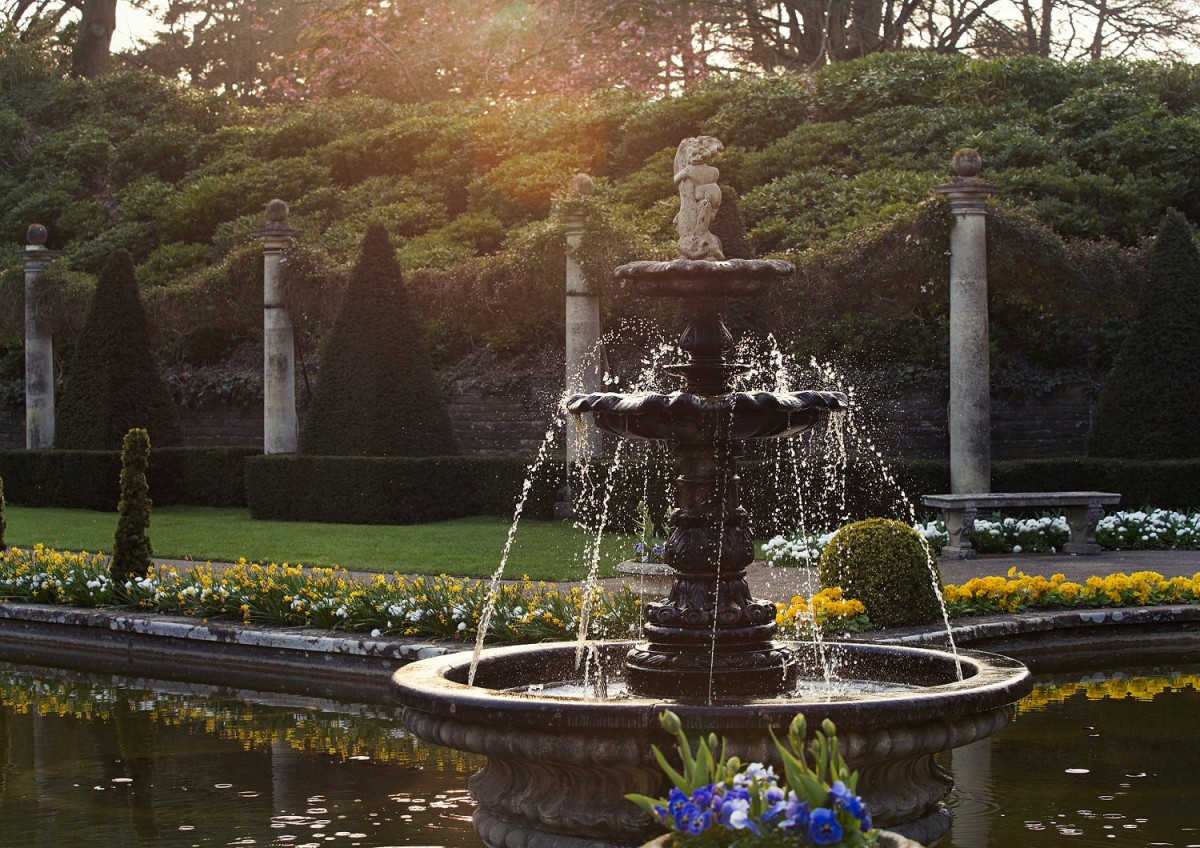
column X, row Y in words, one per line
column 703, row 278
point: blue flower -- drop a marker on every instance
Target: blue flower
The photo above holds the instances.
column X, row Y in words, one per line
column 823, row 828
column 852, row 804
column 795, row 814
column 734, row 812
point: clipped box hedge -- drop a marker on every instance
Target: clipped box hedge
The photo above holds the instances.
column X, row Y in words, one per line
column 86, row 479
column 393, row 489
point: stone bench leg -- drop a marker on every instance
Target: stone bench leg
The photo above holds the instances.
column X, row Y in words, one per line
column 960, row 521
column 1082, row 520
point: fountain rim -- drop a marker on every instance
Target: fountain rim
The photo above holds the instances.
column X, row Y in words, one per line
column 703, row 278
column 991, row 681
column 640, row 403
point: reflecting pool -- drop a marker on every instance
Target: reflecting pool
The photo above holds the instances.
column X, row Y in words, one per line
column 1097, row 759
column 104, row 761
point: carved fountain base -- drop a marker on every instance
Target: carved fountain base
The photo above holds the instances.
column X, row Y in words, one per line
column 559, row 766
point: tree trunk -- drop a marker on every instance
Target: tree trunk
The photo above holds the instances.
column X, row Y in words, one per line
column 90, row 57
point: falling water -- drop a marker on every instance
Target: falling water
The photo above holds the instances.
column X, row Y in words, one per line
column 489, row 608
column 593, row 573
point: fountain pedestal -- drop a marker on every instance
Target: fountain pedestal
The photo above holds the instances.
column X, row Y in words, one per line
column 710, row 637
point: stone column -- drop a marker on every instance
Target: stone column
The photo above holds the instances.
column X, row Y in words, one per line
column 280, row 428
column 584, row 370
column 970, row 399
column 39, row 346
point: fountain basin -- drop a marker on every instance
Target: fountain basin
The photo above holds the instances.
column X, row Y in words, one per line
column 689, row 417
column 559, row 766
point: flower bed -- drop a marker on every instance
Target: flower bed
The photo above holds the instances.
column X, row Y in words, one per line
column 1019, row 592
column 1148, row 529
column 439, row 607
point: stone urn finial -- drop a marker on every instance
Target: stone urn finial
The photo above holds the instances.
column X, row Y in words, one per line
column 36, row 235
column 277, row 212
column 581, row 185
column 966, row 162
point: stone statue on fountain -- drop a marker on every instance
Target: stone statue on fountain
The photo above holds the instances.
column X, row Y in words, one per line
column 699, row 197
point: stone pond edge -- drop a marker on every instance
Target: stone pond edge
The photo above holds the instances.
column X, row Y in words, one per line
column 359, row 666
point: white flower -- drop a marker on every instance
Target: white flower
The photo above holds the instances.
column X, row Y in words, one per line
column 462, row 625
column 376, row 632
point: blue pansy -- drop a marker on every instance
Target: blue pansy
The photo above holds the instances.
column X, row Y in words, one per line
column 823, row 828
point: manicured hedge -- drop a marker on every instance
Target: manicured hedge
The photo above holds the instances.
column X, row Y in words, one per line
column 91, row 479
column 1167, row 484
column 392, row 489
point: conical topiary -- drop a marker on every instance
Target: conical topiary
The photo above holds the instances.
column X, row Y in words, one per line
column 113, row 385
column 1149, row 407
column 743, row 315
column 131, row 542
column 376, row 393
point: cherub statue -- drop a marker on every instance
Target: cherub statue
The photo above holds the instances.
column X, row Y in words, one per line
column 699, row 197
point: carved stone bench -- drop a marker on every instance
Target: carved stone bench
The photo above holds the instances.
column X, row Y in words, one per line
column 1082, row 510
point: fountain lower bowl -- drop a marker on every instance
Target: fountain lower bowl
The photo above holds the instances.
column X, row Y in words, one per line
column 558, row 767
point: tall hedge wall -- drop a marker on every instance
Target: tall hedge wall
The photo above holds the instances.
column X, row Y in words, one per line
column 91, row 479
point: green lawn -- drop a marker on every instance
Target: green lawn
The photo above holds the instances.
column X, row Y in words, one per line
column 468, row 547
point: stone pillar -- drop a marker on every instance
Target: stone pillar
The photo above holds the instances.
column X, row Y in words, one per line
column 970, row 399
column 280, row 429
column 584, row 371
column 39, row 346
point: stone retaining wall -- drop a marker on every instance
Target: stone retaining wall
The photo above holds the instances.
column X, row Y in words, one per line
column 497, row 424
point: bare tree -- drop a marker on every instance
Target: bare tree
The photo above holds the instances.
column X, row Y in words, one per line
column 31, row 20
column 775, row 35
column 1089, row 29
column 97, row 23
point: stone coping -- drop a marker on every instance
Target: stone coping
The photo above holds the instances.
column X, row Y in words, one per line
column 359, row 666
column 303, row 660
column 999, row 499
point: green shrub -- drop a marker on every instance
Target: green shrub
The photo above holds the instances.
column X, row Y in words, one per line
column 520, row 189
column 1149, row 407
column 3, row 520
column 131, row 542
column 849, row 89
column 887, row 565
column 376, row 393
column 113, row 384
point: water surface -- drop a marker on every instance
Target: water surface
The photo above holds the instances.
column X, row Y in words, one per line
column 1101, row 759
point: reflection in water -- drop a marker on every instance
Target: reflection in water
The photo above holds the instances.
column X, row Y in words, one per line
column 1102, row 759
column 99, row 761
column 85, row 761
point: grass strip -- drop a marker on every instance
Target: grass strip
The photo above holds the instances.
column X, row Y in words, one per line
column 467, row 547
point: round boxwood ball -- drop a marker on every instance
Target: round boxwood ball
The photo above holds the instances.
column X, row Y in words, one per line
column 884, row 564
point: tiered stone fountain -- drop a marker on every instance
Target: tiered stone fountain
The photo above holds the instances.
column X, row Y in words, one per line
column 560, row 762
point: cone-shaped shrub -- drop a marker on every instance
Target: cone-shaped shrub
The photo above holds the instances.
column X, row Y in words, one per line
column 1149, row 407
column 376, row 394
column 131, row 543
column 112, row 384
